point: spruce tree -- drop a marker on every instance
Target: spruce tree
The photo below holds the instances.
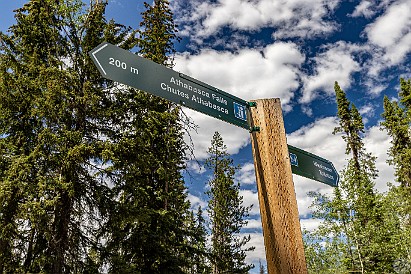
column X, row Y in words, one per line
column 149, row 220
column 227, row 214
column 52, row 114
column 397, row 121
column 198, row 254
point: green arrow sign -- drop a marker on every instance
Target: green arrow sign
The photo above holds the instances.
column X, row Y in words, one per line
column 125, row 67
column 312, row 166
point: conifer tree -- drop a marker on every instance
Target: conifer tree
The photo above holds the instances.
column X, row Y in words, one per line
column 51, row 113
column 149, row 220
column 199, row 254
column 227, row 214
column 397, row 121
column 355, row 217
column 357, row 202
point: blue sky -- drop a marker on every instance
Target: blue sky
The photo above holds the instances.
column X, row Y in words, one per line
column 293, row 50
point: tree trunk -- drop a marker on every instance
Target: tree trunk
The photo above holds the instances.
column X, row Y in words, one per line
column 60, row 243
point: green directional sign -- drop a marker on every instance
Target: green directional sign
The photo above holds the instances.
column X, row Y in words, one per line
column 312, row 166
column 125, row 67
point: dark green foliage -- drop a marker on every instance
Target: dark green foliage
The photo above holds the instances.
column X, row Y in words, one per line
column 159, row 32
column 397, row 119
column 146, row 228
column 50, row 103
column 89, row 169
column 405, row 92
column 358, row 205
column 149, row 223
column 350, row 124
column 227, row 214
column 199, row 253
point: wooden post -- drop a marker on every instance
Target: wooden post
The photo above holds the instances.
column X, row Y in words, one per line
column 276, row 194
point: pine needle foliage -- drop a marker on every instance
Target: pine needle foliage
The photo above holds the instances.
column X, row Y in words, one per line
column 149, row 225
column 51, row 115
column 357, row 229
column 397, row 119
column 397, row 122
column 227, row 214
column 89, row 169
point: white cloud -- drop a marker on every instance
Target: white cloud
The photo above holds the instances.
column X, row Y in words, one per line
column 234, row 137
column 391, row 26
column 196, row 167
column 390, row 36
column 363, row 9
column 248, row 73
column 318, row 139
column 296, row 18
column 196, row 201
column 367, row 111
column 307, row 110
column 302, row 187
column 310, row 224
column 389, row 43
column 336, row 63
column 251, row 198
column 253, row 224
column 378, row 142
column 246, row 174
column 270, row 72
column 369, row 8
column 375, row 88
column 258, row 254
column 396, row 54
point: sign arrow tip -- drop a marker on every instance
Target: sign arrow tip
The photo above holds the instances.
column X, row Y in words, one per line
column 95, row 58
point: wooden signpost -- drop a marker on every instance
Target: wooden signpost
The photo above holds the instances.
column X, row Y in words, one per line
column 276, row 195
column 272, row 156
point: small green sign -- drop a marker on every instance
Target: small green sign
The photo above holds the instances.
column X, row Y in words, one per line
column 312, row 166
column 130, row 69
